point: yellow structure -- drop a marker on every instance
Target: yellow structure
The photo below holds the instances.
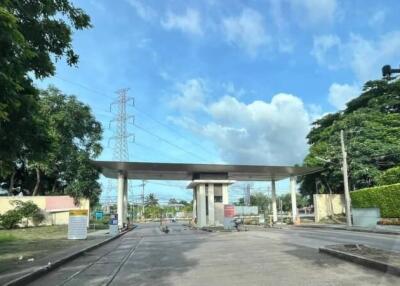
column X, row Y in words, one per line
column 326, row 205
column 55, row 208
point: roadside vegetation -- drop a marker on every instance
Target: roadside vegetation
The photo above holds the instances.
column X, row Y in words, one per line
column 371, row 123
column 19, row 245
column 47, row 138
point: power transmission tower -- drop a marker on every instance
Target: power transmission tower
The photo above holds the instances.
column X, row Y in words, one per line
column 120, row 150
column 121, row 134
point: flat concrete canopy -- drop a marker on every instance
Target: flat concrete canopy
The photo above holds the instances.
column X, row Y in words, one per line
column 180, row 171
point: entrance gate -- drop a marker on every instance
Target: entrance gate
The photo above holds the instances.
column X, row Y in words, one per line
column 204, row 179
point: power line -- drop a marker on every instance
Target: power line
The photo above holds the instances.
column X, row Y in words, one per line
column 170, row 143
column 155, row 120
column 174, row 131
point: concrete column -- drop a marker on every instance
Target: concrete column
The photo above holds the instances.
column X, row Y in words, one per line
column 201, row 205
column 273, row 197
column 293, row 196
column 125, row 220
column 120, row 199
column 194, row 203
column 211, row 211
column 225, row 195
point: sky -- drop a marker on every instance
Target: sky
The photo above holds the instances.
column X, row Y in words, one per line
column 225, row 81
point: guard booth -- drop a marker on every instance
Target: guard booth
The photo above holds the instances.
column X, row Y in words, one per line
column 209, row 198
column 209, row 183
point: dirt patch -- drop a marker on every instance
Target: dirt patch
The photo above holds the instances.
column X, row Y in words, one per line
column 380, row 255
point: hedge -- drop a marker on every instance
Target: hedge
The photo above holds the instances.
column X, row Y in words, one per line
column 386, row 198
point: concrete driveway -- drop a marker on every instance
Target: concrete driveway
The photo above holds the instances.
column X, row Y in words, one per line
column 146, row 256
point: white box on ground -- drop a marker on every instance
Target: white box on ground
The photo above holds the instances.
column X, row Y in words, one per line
column 77, row 225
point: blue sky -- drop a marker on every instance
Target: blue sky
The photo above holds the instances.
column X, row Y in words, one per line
column 226, row 81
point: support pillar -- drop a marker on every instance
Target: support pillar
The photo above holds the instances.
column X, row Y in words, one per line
column 225, row 195
column 125, row 212
column 120, row 199
column 194, row 204
column 201, row 205
column 293, row 196
column 273, row 197
column 211, row 212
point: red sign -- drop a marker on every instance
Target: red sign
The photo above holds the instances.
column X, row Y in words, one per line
column 229, row 210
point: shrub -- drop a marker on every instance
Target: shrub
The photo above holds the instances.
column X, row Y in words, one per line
column 10, row 219
column 390, row 176
column 386, row 198
column 38, row 218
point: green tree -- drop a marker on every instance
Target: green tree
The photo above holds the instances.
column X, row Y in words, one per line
column 151, row 200
column 33, row 34
column 172, row 201
column 371, row 123
column 390, row 176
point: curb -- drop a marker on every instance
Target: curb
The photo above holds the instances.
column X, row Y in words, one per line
column 374, row 264
column 350, row 229
column 29, row 277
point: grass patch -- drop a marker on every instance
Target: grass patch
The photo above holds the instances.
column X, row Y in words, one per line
column 6, row 237
column 32, row 242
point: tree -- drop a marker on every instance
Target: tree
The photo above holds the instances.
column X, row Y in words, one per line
column 390, row 176
column 33, row 35
column 371, row 124
column 172, row 201
column 258, row 199
column 151, row 200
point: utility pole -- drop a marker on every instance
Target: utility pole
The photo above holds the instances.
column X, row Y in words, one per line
column 142, row 185
column 345, row 181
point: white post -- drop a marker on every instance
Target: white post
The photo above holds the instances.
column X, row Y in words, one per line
column 125, row 212
column 211, row 212
column 273, row 197
column 293, row 196
column 225, row 195
column 120, row 199
column 194, row 204
column 346, row 181
column 201, row 205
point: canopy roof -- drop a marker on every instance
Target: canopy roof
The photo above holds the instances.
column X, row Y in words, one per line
column 180, row 171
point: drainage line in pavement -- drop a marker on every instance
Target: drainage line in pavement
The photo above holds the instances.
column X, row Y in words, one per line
column 85, row 268
column 131, row 252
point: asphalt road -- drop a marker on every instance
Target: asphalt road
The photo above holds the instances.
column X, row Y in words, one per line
column 147, row 256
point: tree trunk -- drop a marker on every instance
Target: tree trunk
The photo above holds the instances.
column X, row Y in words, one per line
column 53, row 190
column 37, row 185
column 11, row 187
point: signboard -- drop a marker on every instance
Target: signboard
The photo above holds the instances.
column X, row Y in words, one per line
column 229, row 210
column 229, row 213
column 98, row 215
column 113, row 224
column 77, row 225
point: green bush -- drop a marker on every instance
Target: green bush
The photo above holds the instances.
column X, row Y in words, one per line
column 386, row 198
column 10, row 219
column 23, row 210
column 390, row 176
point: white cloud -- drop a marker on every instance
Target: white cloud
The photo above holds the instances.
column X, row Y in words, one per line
column 377, row 18
column 142, row 10
column 363, row 56
column 246, row 31
column 323, row 48
column 190, row 96
column 259, row 132
column 367, row 57
column 190, row 22
column 340, row 94
column 315, row 12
